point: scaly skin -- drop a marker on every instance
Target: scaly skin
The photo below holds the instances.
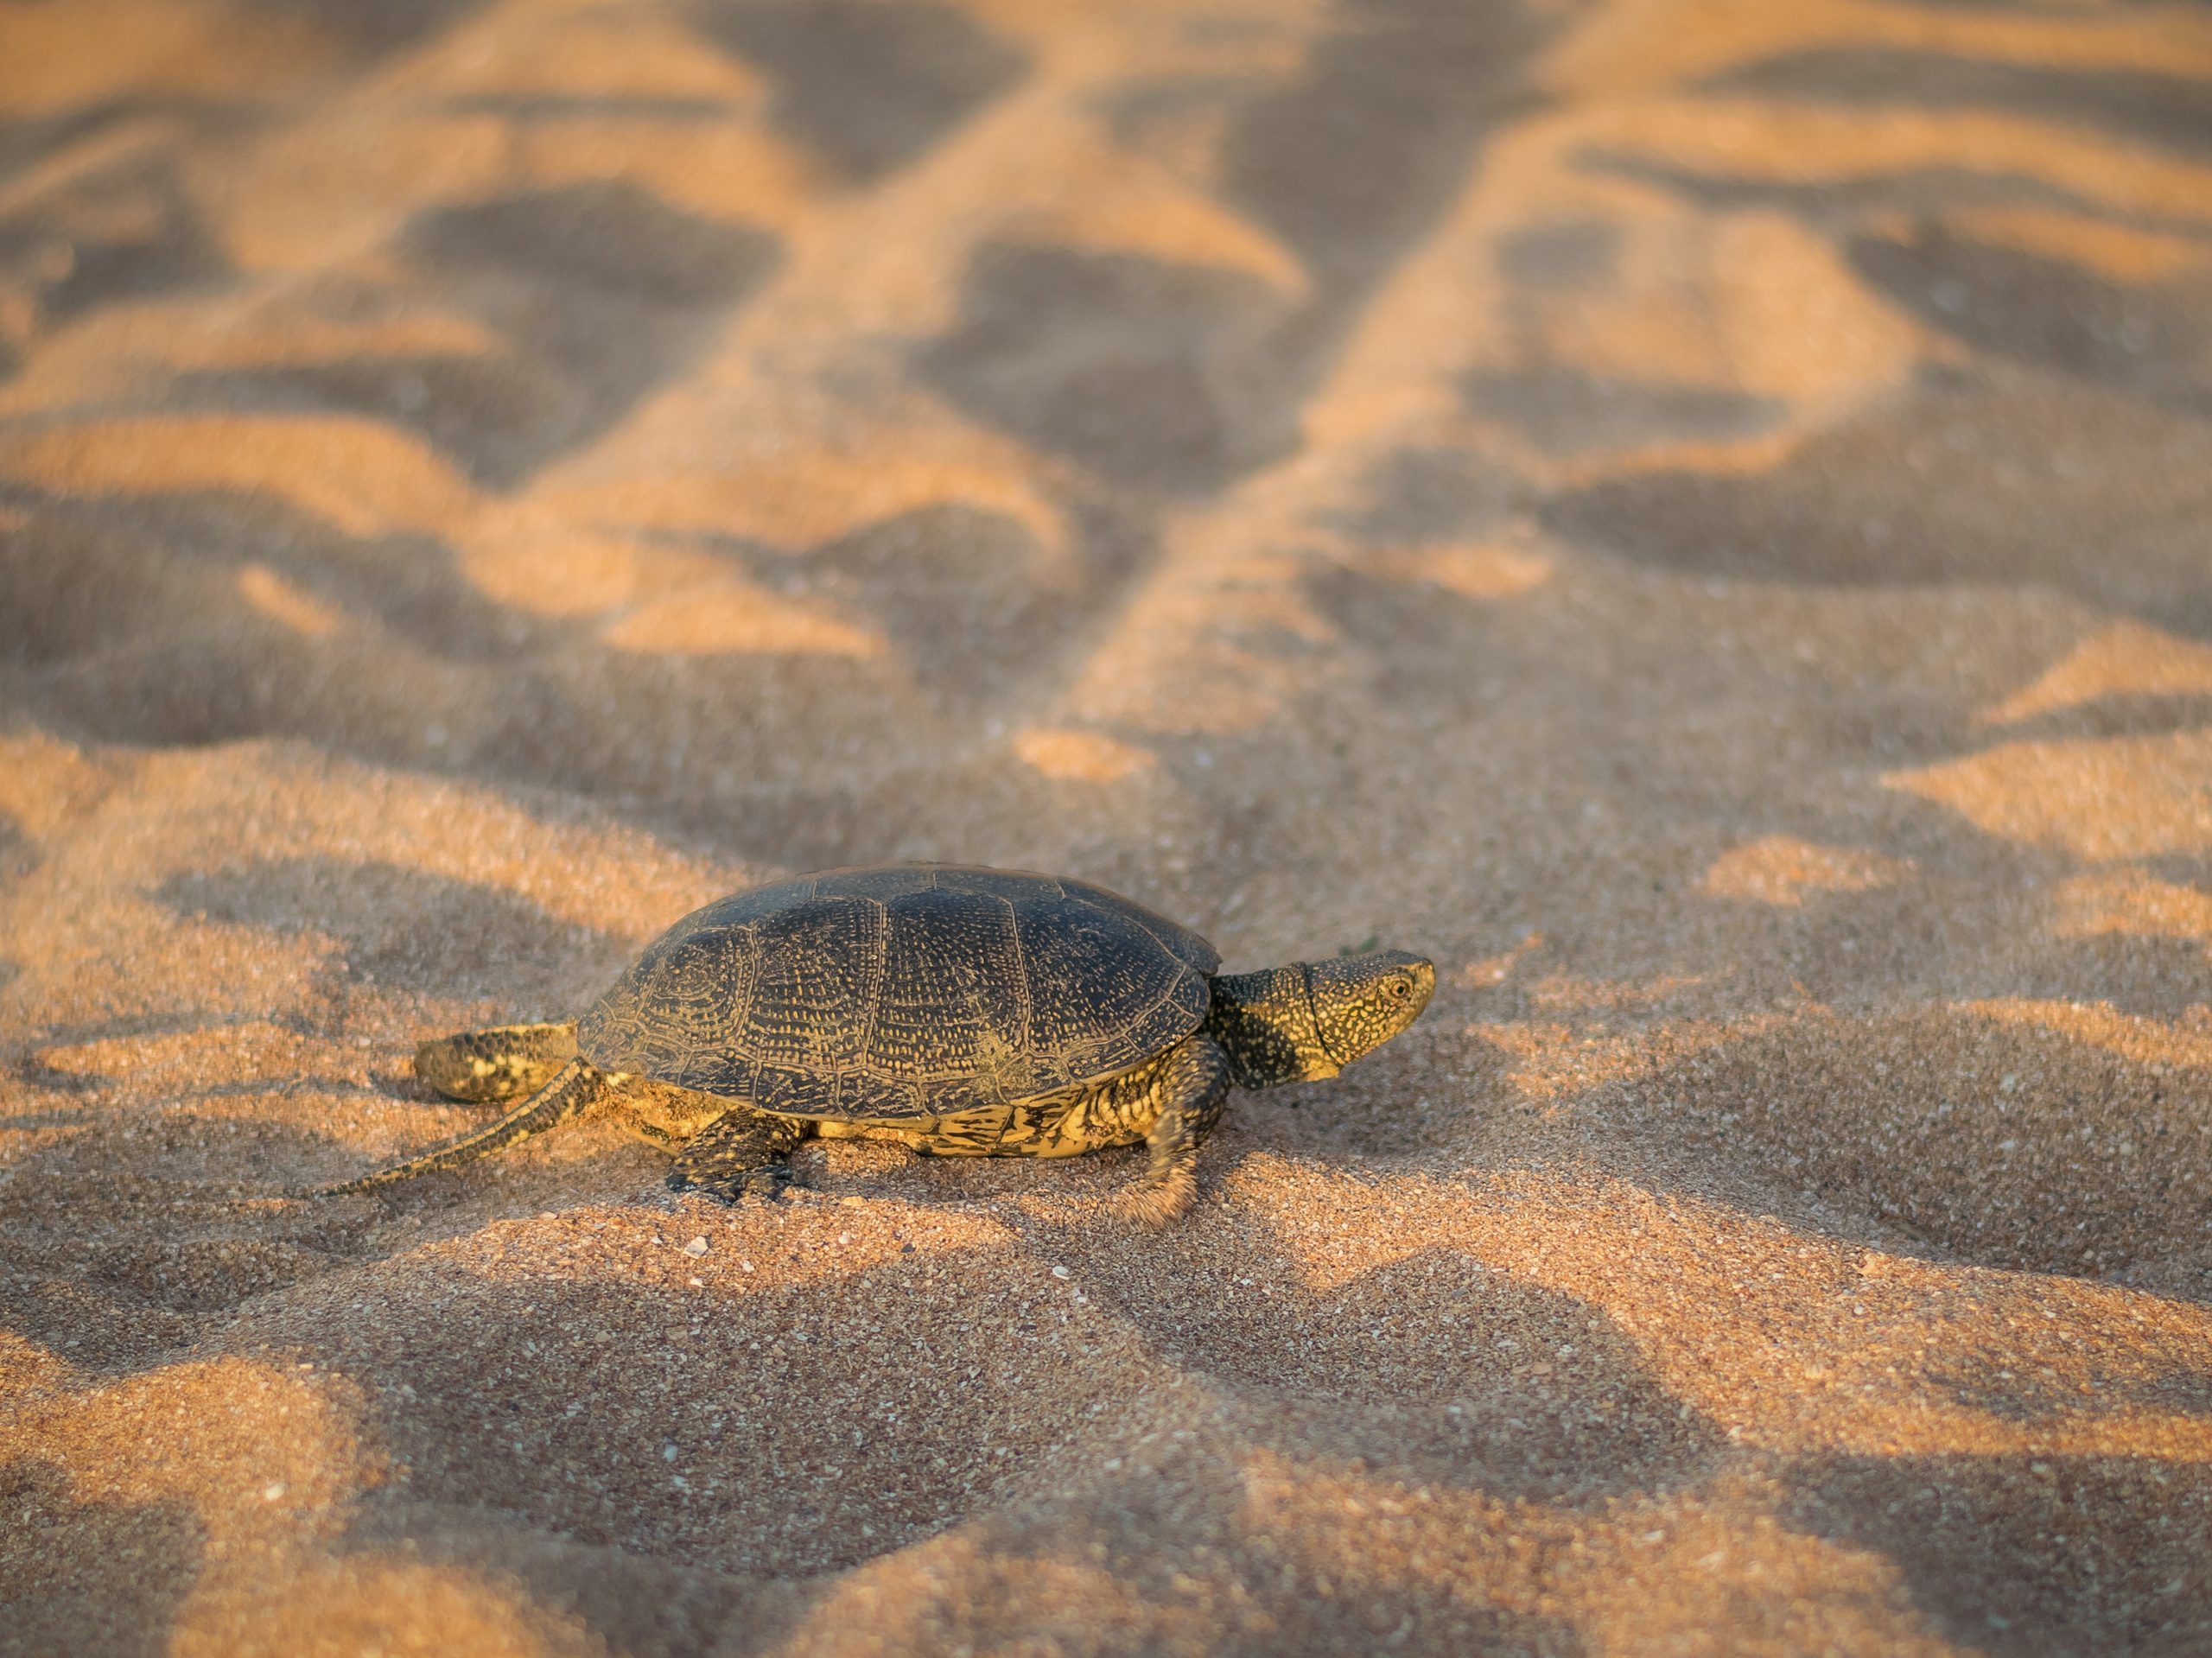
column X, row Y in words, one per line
column 1283, row 1024
column 504, row 1062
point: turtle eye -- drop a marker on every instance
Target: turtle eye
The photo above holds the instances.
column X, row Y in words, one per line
column 1397, row 989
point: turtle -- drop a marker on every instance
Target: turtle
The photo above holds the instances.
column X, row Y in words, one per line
column 962, row 1010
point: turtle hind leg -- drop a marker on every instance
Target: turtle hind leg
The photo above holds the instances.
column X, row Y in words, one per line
column 742, row 1153
column 504, row 1062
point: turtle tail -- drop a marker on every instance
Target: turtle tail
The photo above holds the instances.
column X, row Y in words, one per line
column 574, row 1091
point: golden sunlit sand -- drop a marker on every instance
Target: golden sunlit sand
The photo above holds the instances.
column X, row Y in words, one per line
column 1693, row 515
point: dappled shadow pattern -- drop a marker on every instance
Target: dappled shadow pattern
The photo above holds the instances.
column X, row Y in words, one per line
column 2021, row 1555
column 2001, row 1142
column 714, row 1430
column 370, row 28
column 599, row 290
column 138, row 1231
column 83, row 1577
column 2016, row 1390
column 1565, row 412
column 1437, row 1369
column 2163, row 109
column 1472, row 474
column 409, row 929
column 603, row 289
column 1140, row 370
column 868, row 86
column 1296, row 1590
column 124, row 231
column 1184, row 378
column 1932, row 491
column 1352, row 160
column 2153, row 339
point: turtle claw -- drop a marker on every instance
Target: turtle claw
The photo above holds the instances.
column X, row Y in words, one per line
column 760, row 1187
column 1159, row 1203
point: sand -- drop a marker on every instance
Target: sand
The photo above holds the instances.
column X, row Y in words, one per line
column 1693, row 515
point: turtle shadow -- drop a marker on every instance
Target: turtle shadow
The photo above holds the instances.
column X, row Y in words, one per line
column 87, row 1575
column 2025, row 1555
column 407, row 929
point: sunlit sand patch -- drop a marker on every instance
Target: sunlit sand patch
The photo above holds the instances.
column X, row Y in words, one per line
column 363, row 477
column 1186, row 669
column 78, row 367
column 60, row 57
column 292, row 335
column 1495, row 969
column 373, row 1601
column 1752, row 139
column 1491, row 569
column 587, row 55
column 731, row 173
column 1080, row 756
column 539, row 561
column 1749, row 304
column 1780, row 869
column 46, row 783
column 1641, row 1575
column 1785, row 1340
column 2133, row 902
column 1651, row 51
column 268, row 592
column 796, row 491
column 322, row 193
column 2122, row 252
column 253, row 1050
column 734, row 616
column 2127, row 659
column 201, row 811
column 1554, row 1060
column 1126, row 207
column 1569, row 992
column 953, row 1586
column 265, row 1462
column 2186, row 1043
column 2120, row 797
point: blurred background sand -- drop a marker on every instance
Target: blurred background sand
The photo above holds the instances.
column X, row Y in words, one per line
column 1695, row 513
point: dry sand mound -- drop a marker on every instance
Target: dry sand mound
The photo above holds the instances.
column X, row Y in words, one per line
column 1692, row 516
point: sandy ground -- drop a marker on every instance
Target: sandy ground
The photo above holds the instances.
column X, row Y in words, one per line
column 1696, row 514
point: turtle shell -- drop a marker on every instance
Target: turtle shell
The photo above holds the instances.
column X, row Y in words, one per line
column 906, row 991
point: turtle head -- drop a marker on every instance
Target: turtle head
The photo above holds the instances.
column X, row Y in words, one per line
column 1300, row 1024
column 1362, row 1001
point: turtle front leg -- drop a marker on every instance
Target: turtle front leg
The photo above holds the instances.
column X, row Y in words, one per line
column 1191, row 1086
column 504, row 1062
column 742, row 1153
